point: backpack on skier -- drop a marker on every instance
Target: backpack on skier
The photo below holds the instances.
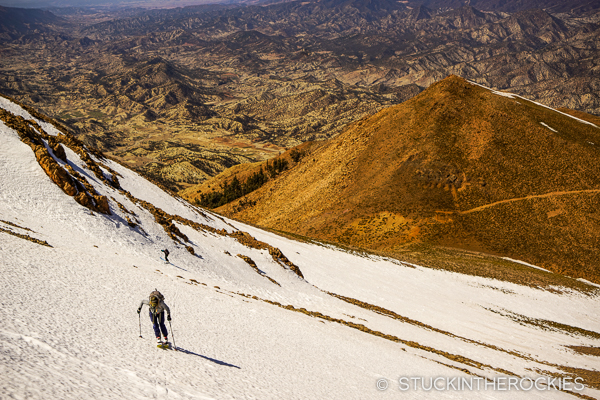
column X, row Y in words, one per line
column 155, row 298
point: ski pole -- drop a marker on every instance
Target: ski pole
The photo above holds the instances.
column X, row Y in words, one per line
column 140, row 318
column 172, row 336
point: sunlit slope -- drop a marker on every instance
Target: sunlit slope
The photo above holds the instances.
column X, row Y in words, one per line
column 458, row 165
column 254, row 315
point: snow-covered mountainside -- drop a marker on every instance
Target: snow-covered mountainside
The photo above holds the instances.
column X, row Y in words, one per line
column 255, row 315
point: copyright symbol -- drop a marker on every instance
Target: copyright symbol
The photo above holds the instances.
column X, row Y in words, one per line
column 382, row 384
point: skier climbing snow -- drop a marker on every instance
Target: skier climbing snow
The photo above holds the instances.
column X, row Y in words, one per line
column 166, row 254
column 157, row 315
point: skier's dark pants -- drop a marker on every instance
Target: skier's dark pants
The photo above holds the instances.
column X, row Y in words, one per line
column 158, row 322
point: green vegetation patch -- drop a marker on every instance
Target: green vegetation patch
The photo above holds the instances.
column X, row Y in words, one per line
column 72, row 114
column 97, row 114
column 235, row 189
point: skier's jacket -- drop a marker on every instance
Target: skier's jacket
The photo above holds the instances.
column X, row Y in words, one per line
column 158, row 309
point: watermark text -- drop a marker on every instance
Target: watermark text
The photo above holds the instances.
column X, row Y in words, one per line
column 476, row 383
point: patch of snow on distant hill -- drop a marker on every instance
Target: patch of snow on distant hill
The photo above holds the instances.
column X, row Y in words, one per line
column 524, row 263
column 545, row 125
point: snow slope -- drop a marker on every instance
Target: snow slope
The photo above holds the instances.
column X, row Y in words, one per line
column 70, row 329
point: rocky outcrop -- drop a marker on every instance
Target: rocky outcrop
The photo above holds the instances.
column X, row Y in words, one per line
column 251, row 263
column 47, row 150
column 58, row 175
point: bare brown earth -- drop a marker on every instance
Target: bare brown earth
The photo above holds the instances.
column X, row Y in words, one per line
column 592, row 351
column 456, row 166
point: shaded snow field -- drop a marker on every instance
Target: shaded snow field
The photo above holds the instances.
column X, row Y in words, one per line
column 70, row 328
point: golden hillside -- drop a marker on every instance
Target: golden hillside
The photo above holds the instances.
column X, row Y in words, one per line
column 459, row 165
column 244, row 173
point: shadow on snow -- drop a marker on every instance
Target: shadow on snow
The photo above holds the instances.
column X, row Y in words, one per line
column 207, row 358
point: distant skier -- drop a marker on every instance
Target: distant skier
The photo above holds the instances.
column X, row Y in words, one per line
column 157, row 314
column 166, row 254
